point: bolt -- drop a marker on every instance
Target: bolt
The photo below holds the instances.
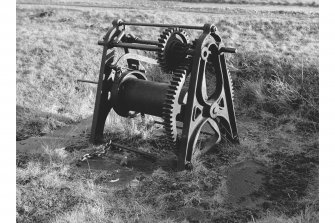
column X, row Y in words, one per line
column 213, row 29
column 188, row 166
column 215, row 110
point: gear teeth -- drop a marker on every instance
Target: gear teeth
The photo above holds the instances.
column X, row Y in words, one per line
column 167, row 32
column 168, row 127
column 167, row 115
column 230, row 85
column 179, row 70
column 178, row 75
column 168, row 106
column 168, row 96
column 166, row 110
column 169, row 101
column 163, row 39
column 171, row 106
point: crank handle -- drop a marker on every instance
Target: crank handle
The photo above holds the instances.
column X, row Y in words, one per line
column 117, row 38
column 227, row 50
column 101, row 43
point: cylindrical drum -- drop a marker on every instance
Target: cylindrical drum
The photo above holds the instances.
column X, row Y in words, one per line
column 142, row 96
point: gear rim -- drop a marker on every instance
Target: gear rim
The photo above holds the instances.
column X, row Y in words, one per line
column 167, row 38
column 172, row 106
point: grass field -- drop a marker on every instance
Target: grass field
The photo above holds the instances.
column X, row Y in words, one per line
column 275, row 75
column 260, row 2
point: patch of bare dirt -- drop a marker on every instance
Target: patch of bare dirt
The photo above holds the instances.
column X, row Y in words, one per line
column 244, row 180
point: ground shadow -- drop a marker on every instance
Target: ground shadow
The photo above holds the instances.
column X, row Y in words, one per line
column 31, row 122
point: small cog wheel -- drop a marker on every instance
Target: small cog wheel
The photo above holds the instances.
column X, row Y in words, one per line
column 173, row 49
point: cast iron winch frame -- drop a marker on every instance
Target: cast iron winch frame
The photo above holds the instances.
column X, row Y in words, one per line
column 128, row 92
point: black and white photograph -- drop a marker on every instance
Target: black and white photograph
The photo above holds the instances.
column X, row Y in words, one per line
column 189, row 111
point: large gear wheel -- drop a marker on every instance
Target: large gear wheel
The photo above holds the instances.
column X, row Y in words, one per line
column 174, row 101
column 230, row 85
column 172, row 104
column 173, row 47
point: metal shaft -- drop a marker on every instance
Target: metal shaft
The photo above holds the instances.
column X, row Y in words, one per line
column 227, row 50
column 149, row 42
column 148, row 155
column 87, row 81
column 162, row 25
column 135, row 46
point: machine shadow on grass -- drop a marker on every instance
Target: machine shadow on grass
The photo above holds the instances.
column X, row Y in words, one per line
column 30, row 122
column 224, row 185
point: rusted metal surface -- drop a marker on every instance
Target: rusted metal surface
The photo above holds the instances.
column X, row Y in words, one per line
column 127, row 91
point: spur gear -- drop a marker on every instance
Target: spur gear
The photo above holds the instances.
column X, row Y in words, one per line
column 172, row 104
column 173, row 49
column 174, row 100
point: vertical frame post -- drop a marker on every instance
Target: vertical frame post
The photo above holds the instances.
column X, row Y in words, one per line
column 101, row 108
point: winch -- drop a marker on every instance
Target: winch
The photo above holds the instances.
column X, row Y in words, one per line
column 187, row 103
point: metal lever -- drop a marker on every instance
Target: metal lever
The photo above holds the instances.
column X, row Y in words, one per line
column 228, row 50
column 87, row 81
column 147, row 155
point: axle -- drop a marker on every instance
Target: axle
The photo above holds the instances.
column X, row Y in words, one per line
column 163, row 25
